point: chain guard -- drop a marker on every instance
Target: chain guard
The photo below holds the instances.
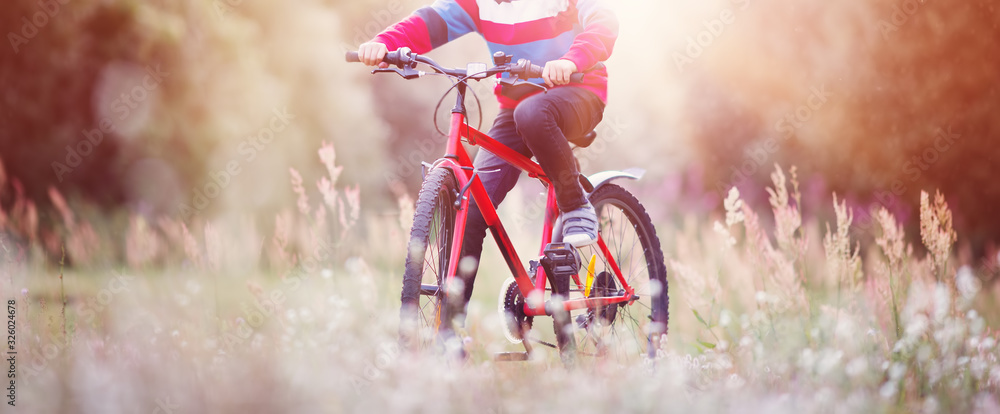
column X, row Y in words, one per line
column 511, row 307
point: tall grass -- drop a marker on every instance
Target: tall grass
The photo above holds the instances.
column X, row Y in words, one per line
column 215, row 317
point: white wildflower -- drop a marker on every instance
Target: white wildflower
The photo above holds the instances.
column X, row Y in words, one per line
column 987, row 344
column 735, row 381
column 942, row 302
column 856, row 367
column 888, row 390
column 829, row 361
column 725, row 318
column 977, row 326
column 967, row 283
column 931, row 405
column 917, row 326
column 896, row 371
column 924, row 353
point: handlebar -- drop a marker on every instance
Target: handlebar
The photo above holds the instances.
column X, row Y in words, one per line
column 392, row 58
column 404, row 58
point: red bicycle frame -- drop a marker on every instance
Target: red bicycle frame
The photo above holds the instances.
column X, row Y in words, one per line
column 458, row 161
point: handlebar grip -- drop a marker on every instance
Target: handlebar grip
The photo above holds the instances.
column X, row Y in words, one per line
column 535, row 71
column 392, row 58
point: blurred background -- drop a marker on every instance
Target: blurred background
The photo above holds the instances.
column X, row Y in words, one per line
column 199, row 108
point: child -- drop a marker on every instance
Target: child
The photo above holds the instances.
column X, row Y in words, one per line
column 570, row 36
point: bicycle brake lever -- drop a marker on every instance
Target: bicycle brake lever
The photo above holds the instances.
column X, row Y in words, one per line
column 405, row 73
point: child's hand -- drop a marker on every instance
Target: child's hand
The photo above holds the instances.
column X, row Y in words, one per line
column 371, row 54
column 557, row 72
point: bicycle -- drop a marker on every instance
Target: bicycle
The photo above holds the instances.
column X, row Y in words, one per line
column 617, row 279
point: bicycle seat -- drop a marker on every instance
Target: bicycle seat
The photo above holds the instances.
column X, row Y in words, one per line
column 585, row 140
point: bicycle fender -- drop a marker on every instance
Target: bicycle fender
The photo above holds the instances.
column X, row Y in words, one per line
column 597, row 180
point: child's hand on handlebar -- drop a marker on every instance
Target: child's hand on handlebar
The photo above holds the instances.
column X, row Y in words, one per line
column 557, row 72
column 372, row 53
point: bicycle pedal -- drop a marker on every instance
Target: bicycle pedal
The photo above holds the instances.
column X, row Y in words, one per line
column 510, row 356
column 561, row 259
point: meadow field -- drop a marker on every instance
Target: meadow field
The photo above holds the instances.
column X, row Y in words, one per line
column 794, row 320
column 205, row 209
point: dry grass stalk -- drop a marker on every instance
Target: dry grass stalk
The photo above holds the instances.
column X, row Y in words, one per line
column 303, row 199
column 897, row 252
column 142, row 244
column 776, row 272
column 698, row 291
column 937, row 234
column 80, row 239
column 281, row 258
column 734, row 207
column 791, row 240
column 191, row 249
column 842, row 263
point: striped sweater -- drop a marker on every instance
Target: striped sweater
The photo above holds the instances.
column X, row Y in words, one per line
column 582, row 31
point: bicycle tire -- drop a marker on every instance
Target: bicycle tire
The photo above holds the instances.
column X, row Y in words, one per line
column 646, row 319
column 423, row 315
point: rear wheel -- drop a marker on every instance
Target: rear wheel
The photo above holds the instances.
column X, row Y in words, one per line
column 627, row 331
column 424, row 316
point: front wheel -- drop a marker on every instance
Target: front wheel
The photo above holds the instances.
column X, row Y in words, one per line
column 424, row 316
column 633, row 330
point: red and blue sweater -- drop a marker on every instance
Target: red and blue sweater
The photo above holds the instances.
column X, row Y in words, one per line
column 582, row 31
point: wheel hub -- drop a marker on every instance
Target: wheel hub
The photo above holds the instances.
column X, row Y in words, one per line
column 604, row 286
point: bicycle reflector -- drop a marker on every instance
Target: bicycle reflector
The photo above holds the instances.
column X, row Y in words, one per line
column 590, row 275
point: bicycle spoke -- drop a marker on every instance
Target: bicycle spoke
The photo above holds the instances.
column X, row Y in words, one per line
column 621, row 236
column 635, row 239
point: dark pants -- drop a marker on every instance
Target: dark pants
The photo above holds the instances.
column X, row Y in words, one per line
column 538, row 126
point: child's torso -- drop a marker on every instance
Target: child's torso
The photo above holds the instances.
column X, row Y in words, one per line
column 537, row 30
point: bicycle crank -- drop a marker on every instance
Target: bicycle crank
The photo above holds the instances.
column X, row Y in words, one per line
column 511, row 308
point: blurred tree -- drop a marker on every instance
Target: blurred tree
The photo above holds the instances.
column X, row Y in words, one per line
column 879, row 99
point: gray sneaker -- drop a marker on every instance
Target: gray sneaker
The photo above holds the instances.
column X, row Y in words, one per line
column 579, row 227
